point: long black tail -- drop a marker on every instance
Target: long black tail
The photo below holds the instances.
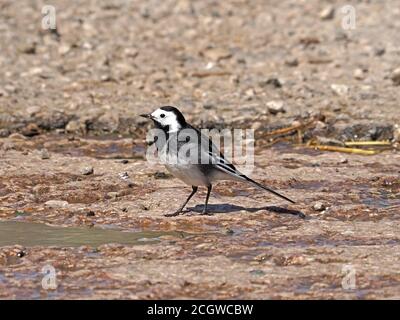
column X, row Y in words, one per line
column 268, row 189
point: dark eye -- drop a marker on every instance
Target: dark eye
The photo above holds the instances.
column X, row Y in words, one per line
column 162, row 115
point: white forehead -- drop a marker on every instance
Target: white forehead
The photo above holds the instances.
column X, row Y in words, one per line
column 159, row 111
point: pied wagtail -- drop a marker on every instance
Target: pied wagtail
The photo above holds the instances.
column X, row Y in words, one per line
column 205, row 168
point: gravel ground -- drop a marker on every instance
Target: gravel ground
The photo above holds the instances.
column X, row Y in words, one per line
column 113, row 59
column 72, row 147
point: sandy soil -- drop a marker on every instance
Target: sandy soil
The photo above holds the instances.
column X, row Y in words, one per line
column 254, row 246
column 69, row 103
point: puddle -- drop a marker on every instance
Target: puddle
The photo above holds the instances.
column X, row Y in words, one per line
column 38, row 234
column 378, row 198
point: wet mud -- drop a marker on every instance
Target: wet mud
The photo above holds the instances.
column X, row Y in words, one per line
column 107, row 237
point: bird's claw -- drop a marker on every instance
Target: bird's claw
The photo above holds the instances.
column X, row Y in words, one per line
column 174, row 214
column 206, row 213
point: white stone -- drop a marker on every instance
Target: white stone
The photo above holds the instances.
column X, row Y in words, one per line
column 340, row 89
column 56, row 204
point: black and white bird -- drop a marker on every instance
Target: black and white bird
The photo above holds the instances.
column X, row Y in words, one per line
column 208, row 164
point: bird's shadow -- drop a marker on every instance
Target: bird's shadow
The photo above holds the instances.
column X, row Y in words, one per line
column 228, row 208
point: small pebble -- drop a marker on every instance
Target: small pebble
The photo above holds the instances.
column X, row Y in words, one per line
column 274, row 82
column 275, row 107
column 30, row 130
column 161, row 175
column 358, row 74
column 250, row 93
column 396, row 77
column 28, row 47
column 234, row 79
column 112, row 195
column 63, row 49
column 73, row 126
column 4, row 133
column 319, row 206
column 379, row 51
column 229, row 231
column 208, row 106
column 56, row 204
column 261, row 257
column 340, row 89
column 21, row 254
column 87, row 171
column 124, row 175
column 44, row 154
column 256, row 125
column 327, row 14
column 90, row 214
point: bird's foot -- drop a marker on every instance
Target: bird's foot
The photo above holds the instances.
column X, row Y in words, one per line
column 173, row 214
column 206, row 213
column 177, row 213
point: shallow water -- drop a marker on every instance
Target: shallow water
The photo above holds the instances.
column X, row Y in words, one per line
column 39, row 234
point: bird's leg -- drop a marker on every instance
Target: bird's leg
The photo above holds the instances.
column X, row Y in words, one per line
column 177, row 212
column 206, row 204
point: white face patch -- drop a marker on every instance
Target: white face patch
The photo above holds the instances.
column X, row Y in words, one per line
column 166, row 118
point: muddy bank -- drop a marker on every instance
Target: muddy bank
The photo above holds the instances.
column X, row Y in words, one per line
column 254, row 246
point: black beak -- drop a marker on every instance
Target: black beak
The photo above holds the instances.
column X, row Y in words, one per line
column 148, row 116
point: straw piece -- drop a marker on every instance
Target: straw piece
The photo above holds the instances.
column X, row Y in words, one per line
column 367, row 143
column 288, row 129
column 346, row 150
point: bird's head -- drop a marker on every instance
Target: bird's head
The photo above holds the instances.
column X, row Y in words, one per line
column 168, row 118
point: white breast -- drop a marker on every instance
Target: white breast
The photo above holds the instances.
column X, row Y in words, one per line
column 189, row 174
